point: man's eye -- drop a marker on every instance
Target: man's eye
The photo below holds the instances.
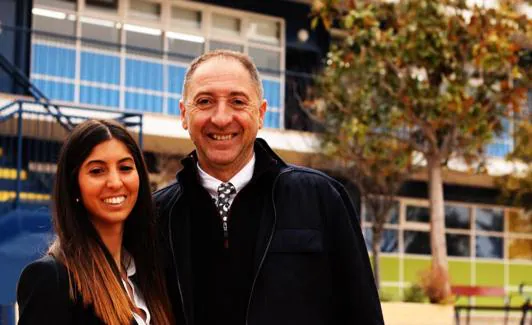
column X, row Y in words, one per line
column 239, row 102
column 203, row 102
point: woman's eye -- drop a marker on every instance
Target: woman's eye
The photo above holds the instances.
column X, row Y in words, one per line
column 126, row 168
column 96, row 171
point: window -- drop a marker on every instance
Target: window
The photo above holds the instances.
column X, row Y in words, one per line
column 417, row 242
column 264, row 31
column 59, row 4
column 186, row 18
column 226, row 25
column 105, row 5
column 520, row 248
column 92, row 69
column 53, row 22
column 99, row 30
column 489, row 219
column 489, row 247
column 214, row 45
column 141, row 40
column 458, row 245
column 144, row 10
column 389, row 240
column 183, row 48
column 520, row 222
column 393, row 215
column 417, row 214
column 502, row 144
column 266, row 61
column 457, row 217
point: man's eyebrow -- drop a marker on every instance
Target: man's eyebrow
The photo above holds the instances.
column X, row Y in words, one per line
column 231, row 94
column 238, row 93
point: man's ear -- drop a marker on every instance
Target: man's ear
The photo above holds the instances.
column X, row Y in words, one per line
column 183, row 110
column 262, row 111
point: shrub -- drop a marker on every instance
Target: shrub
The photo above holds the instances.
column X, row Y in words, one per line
column 433, row 282
column 414, row 293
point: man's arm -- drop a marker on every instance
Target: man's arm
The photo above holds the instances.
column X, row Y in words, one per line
column 355, row 293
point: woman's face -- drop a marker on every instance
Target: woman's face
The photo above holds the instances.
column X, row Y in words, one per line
column 109, row 184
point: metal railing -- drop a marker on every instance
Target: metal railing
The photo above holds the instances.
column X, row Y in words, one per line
column 30, row 138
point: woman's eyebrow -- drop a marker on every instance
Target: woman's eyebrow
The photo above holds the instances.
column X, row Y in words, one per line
column 99, row 161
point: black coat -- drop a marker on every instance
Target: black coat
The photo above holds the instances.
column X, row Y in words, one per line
column 311, row 263
column 43, row 297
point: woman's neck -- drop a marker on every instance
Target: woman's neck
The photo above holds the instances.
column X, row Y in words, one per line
column 112, row 238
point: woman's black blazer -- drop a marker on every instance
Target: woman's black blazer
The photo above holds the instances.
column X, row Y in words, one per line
column 43, row 297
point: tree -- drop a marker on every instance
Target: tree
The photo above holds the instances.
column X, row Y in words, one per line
column 516, row 188
column 379, row 169
column 433, row 76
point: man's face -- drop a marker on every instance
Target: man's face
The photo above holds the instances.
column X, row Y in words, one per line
column 222, row 113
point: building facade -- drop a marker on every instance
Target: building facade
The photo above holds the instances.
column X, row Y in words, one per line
column 131, row 56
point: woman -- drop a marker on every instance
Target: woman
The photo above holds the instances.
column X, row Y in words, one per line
column 102, row 267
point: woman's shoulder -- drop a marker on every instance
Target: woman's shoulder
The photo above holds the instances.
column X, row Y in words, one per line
column 46, row 266
column 46, row 274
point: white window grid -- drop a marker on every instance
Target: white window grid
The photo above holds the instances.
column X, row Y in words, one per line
column 121, row 17
column 472, row 260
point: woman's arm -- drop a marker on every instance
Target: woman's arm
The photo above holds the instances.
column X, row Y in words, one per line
column 43, row 294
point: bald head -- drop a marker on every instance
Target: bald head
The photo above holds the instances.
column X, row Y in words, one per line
column 242, row 58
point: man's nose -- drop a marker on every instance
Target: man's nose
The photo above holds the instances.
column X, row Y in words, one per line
column 222, row 115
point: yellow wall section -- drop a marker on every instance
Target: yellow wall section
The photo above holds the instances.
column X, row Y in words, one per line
column 389, row 268
column 460, row 272
column 490, row 274
column 520, row 273
column 413, row 267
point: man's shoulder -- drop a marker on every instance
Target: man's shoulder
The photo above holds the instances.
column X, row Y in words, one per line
column 166, row 194
column 295, row 173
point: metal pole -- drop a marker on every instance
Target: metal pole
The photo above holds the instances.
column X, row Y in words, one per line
column 140, row 131
column 19, row 156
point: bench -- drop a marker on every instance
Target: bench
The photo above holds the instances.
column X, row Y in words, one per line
column 481, row 291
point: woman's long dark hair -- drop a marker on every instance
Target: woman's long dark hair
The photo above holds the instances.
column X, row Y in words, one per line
column 94, row 276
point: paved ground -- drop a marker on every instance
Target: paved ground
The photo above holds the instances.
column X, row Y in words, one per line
column 496, row 319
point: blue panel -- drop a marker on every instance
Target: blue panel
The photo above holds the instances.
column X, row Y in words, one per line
column 271, row 120
column 100, row 68
column 99, row 96
column 142, row 74
column 173, row 106
column 55, row 90
column 176, row 76
column 272, row 90
column 498, row 149
column 53, row 61
column 144, row 103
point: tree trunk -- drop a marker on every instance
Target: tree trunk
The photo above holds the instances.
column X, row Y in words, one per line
column 375, row 250
column 437, row 220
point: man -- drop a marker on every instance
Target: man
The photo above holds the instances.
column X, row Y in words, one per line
column 250, row 239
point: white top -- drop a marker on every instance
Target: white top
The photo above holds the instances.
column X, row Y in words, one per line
column 240, row 180
column 137, row 298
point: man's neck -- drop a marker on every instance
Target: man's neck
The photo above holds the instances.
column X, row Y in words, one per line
column 224, row 173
